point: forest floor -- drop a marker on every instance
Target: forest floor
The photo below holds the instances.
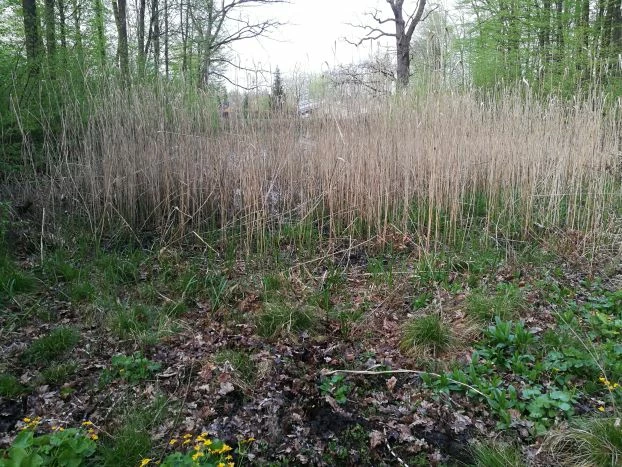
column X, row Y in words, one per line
column 336, row 353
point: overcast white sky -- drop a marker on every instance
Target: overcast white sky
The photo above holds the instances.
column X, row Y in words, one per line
column 312, row 40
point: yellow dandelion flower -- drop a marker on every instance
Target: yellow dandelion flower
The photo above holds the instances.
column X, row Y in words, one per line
column 221, row 464
column 94, row 437
column 207, row 442
column 196, row 455
column 187, row 436
column 173, row 442
column 230, row 464
column 144, row 462
column 186, row 441
column 601, row 409
column 87, row 423
column 229, row 457
column 26, row 420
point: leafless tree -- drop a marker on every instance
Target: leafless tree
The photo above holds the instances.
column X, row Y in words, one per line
column 405, row 25
column 220, row 24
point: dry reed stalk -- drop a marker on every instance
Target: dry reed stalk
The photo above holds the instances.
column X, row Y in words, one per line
column 422, row 163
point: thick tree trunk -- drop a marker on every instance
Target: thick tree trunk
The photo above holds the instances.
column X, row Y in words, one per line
column 34, row 44
column 50, row 35
column 120, row 15
column 77, row 32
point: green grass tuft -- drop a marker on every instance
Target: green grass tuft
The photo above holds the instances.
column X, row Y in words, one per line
column 10, row 387
column 588, row 442
column 53, row 346
column 425, row 335
column 497, row 455
column 506, row 304
column 280, row 318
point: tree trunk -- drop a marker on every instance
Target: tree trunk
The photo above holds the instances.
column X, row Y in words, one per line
column 100, row 33
column 34, row 44
column 402, row 45
column 141, row 37
column 63, row 31
column 78, row 33
column 120, row 14
column 166, row 58
column 155, row 32
column 50, row 36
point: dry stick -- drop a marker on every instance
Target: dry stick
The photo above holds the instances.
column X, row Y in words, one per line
column 398, row 458
column 41, row 240
column 400, row 370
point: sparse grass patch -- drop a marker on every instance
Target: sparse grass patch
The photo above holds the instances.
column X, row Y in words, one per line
column 241, row 363
column 281, row 318
column 132, row 440
column 51, row 347
column 426, row 335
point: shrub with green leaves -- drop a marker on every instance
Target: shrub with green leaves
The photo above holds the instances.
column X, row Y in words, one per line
column 71, row 448
column 539, row 376
column 336, row 387
column 131, row 368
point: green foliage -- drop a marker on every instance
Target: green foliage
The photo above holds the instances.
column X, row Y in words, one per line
column 131, row 368
column 71, row 448
column 55, row 345
column 10, row 387
column 336, row 387
column 278, row 318
column 426, row 334
column 205, row 452
column 541, row 376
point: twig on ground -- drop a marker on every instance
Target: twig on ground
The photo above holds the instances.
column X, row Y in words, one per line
column 400, row 370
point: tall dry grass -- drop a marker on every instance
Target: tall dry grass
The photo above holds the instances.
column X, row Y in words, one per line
column 431, row 164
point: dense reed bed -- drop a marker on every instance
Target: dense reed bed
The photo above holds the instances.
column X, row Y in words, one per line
column 433, row 165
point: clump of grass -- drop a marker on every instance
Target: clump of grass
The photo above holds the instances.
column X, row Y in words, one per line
column 279, row 318
column 80, row 291
column 426, row 335
column 10, row 387
column 497, row 455
column 53, row 346
column 241, row 363
column 146, row 324
column 58, row 374
column 14, row 281
column 588, row 442
column 506, row 303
